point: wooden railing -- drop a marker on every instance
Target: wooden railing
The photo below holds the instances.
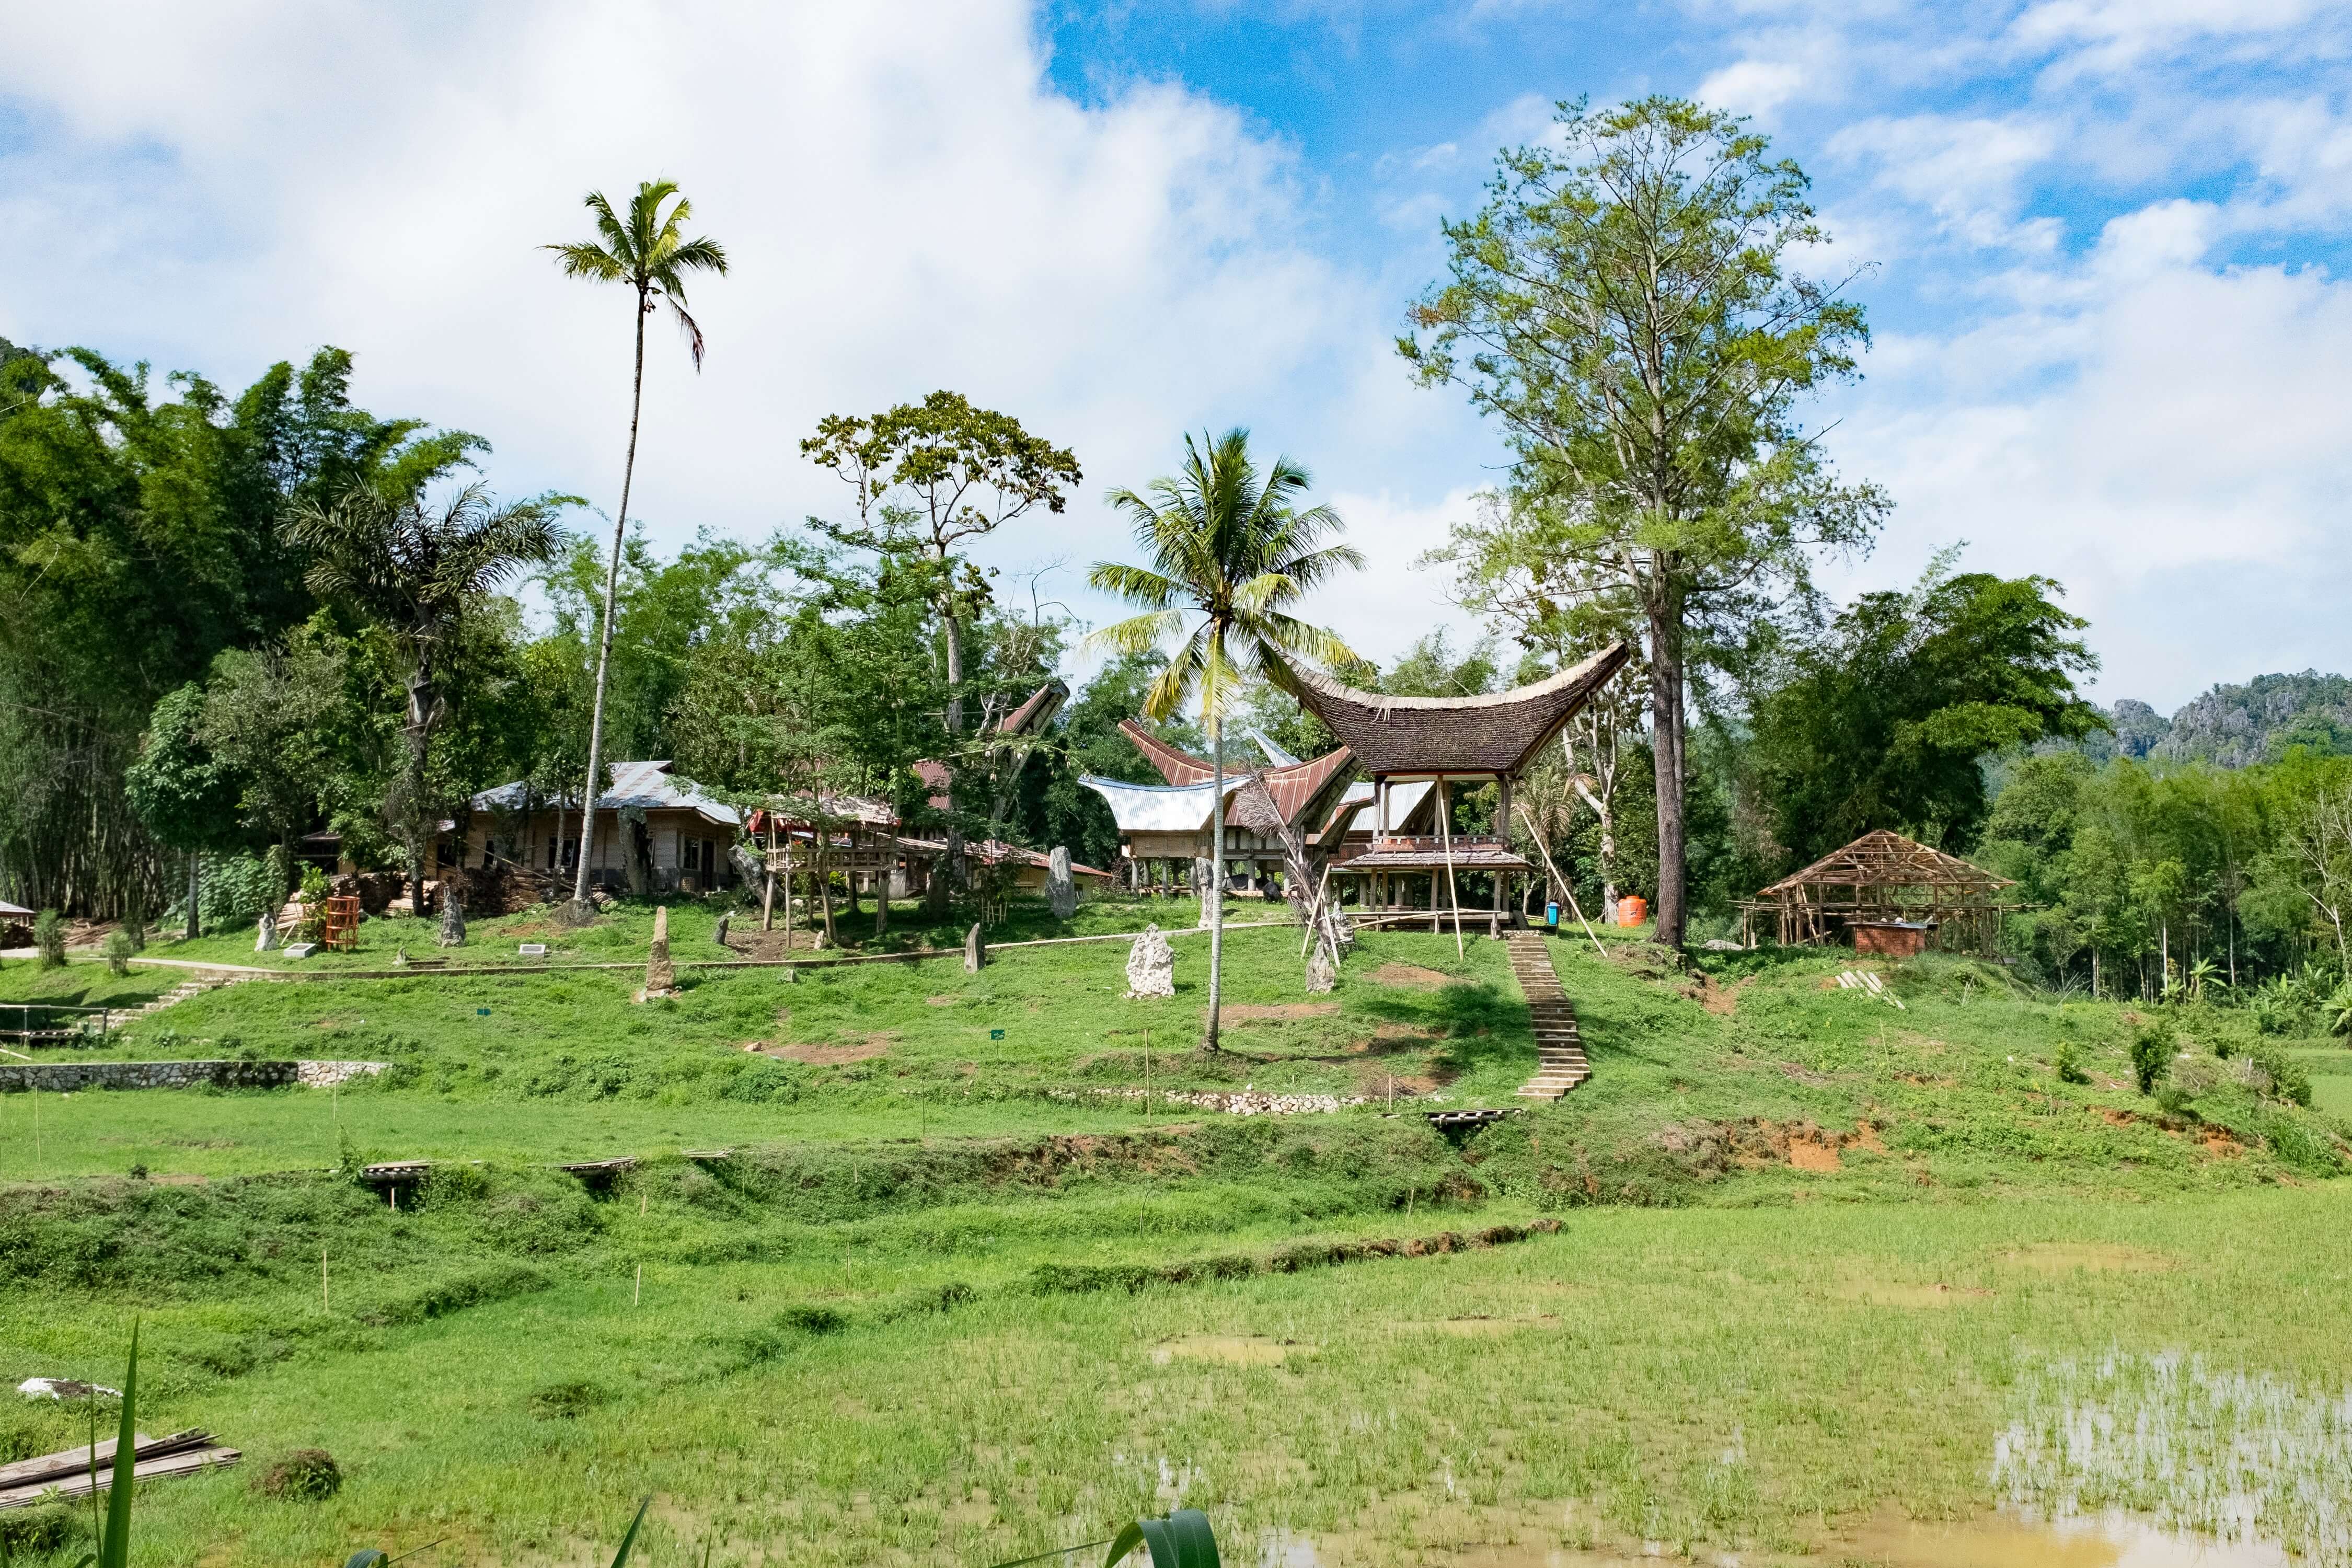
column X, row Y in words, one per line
column 1431, row 843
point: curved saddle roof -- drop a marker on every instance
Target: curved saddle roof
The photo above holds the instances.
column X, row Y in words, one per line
column 1494, row 733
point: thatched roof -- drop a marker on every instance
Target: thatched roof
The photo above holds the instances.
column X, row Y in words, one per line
column 1494, row 733
column 1885, row 859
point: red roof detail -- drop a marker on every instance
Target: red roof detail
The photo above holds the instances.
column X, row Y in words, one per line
column 1177, row 767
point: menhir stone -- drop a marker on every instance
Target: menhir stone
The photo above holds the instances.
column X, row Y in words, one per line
column 661, row 977
column 1152, row 965
column 453, row 917
column 1061, row 890
column 1320, row 975
column 975, row 950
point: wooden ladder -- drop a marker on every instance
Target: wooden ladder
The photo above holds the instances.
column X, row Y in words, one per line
column 1560, row 1051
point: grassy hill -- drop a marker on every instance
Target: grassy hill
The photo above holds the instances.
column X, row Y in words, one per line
column 960, row 1290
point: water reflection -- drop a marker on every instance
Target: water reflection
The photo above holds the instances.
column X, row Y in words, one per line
column 2242, row 1456
column 2114, row 1540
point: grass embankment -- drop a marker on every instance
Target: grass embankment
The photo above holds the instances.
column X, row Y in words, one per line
column 856, row 1343
column 1695, row 1379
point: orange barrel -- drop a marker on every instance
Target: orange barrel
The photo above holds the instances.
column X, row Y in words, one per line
column 1632, row 910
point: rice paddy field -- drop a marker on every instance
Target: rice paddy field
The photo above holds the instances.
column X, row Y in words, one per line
column 916, row 1265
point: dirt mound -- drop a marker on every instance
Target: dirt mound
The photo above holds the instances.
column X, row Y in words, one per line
column 1395, row 973
column 819, row 1055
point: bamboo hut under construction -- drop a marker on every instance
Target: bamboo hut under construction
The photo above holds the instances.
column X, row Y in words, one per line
column 1887, row 894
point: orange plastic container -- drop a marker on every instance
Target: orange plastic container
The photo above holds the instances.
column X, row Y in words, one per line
column 1632, row 910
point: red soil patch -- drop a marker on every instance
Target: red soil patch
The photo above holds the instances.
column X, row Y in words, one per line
column 1394, row 974
column 1818, row 1153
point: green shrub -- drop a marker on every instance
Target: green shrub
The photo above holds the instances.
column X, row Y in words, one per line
column 2151, row 1054
column 49, row 937
column 2069, row 1063
column 118, row 951
column 2289, row 1081
column 306, row 1474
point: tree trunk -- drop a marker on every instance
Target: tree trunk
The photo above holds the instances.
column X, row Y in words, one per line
column 604, row 643
column 1666, row 745
column 1217, row 878
column 952, row 866
column 196, row 880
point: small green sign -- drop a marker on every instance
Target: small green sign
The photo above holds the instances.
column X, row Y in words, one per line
column 995, row 1034
column 482, row 1011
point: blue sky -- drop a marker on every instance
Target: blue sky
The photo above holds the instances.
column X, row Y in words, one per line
column 2106, row 242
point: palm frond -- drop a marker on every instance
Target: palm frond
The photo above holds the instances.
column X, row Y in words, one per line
column 1137, row 634
column 584, row 260
column 1136, row 584
column 686, row 325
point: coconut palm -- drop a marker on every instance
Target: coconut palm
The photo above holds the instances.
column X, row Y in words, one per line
column 417, row 571
column 647, row 251
column 1235, row 548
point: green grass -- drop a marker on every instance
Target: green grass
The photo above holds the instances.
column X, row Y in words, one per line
column 1796, row 1282
column 1696, row 1379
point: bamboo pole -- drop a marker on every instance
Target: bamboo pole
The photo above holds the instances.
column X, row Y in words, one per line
column 1566, row 891
column 1453, row 892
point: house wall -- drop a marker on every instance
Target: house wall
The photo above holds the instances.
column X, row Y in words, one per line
column 669, row 831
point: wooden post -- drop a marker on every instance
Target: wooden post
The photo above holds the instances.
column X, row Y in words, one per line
column 1453, row 892
column 1565, row 891
column 768, row 896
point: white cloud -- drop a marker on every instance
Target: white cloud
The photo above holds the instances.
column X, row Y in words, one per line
column 906, row 205
column 1752, row 87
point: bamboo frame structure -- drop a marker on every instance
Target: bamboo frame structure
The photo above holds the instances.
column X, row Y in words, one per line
column 1883, row 877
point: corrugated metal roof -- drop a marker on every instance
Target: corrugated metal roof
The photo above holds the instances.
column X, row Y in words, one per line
column 646, row 786
column 1158, row 809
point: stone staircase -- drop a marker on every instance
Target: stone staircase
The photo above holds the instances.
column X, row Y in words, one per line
column 181, row 992
column 1560, row 1051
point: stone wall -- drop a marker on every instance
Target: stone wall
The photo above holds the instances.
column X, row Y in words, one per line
column 65, row 1078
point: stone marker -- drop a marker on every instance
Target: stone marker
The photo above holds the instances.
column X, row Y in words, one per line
column 1151, row 965
column 1204, row 878
column 265, row 936
column 301, row 949
column 453, row 917
column 721, row 937
column 531, row 950
column 1061, row 891
column 661, row 979
column 1320, row 976
column 975, row 950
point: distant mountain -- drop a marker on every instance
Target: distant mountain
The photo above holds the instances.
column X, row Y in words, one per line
column 2232, row 726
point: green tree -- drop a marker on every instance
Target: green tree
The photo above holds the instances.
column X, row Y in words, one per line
column 269, row 715
column 1235, row 549
column 650, row 252
column 139, row 537
column 936, row 473
column 1625, row 306
column 1882, row 720
column 419, row 571
column 185, row 795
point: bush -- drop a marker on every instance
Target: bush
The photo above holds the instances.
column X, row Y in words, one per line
column 2069, row 1063
column 2151, row 1054
column 306, row 1474
column 118, row 951
column 2288, row 1081
column 49, row 937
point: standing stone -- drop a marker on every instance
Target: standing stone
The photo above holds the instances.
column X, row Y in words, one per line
column 1204, row 878
column 1060, row 889
column 453, row 916
column 1151, row 965
column 266, row 936
column 975, row 951
column 661, row 979
column 721, row 938
column 1320, row 976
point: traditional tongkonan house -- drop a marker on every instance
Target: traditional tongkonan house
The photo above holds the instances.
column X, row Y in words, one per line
column 1441, row 743
column 1173, row 822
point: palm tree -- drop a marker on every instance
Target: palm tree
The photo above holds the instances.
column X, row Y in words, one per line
column 649, row 252
column 418, row 572
column 1235, row 549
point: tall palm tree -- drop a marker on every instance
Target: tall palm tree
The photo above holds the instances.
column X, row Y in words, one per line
column 1234, row 547
column 647, row 251
column 418, row 571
